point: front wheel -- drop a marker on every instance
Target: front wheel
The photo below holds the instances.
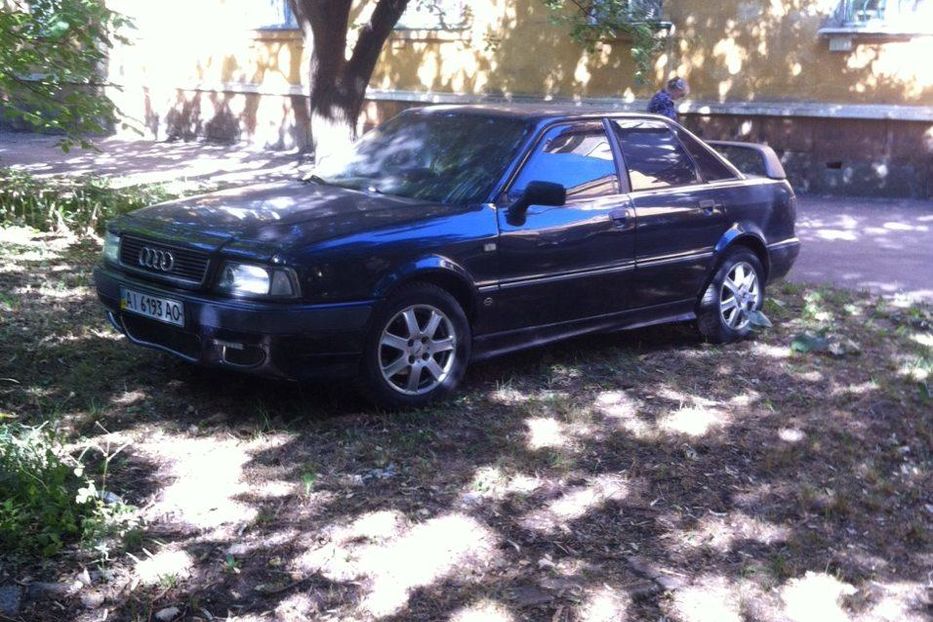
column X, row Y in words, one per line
column 417, row 350
column 737, row 289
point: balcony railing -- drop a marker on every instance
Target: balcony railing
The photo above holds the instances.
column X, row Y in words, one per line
column 881, row 17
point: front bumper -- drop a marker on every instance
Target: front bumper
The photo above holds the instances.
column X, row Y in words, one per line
column 282, row 340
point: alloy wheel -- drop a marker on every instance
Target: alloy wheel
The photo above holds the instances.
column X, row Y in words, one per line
column 739, row 296
column 417, row 349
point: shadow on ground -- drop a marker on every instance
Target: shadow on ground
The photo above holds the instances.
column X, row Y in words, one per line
column 634, row 476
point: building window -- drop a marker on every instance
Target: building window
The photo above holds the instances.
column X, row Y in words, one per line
column 881, row 17
column 434, row 15
column 272, row 14
column 639, row 10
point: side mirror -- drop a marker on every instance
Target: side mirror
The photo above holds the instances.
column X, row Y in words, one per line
column 751, row 158
column 537, row 193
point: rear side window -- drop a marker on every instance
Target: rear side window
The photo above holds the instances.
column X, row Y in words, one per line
column 653, row 155
column 577, row 156
column 711, row 168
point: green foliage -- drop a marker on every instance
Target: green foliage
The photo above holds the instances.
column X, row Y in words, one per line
column 231, row 565
column 40, row 510
column 48, row 501
column 51, row 54
column 77, row 204
column 308, row 478
column 805, row 343
column 594, row 21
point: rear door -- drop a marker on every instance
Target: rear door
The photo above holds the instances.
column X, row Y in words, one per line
column 572, row 261
column 680, row 216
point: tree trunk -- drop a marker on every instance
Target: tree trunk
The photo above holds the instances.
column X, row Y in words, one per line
column 338, row 84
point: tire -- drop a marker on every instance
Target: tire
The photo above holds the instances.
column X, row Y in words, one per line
column 736, row 289
column 417, row 349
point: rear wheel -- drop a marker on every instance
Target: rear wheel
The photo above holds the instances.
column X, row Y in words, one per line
column 736, row 291
column 418, row 348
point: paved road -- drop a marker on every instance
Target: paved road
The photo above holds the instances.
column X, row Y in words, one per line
column 885, row 246
column 129, row 162
column 881, row 245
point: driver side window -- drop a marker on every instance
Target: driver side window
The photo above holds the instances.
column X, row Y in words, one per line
column 577, row 156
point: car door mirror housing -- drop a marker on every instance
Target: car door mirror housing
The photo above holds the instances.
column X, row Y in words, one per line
column 537, row 193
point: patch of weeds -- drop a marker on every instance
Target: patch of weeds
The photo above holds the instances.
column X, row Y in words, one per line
column 49, row 501
column 790, row 288
column 265, row 516
column 113, row 525
column 815, row 310
column 807, row 497
column 559, row 460
column 838, row 507
column 76, row 204
column 168, row 581
column 231, row 565
column 916, row 532
column 776, row 308
column 308, row 479
column 779, row 567
column 42, row 509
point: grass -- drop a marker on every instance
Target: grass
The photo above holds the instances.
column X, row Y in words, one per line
column 747, row 468
column 80, row 204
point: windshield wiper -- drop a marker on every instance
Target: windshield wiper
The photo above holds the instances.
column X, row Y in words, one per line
column 316, row 179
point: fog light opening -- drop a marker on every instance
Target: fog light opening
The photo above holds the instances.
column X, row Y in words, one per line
column 241, row 355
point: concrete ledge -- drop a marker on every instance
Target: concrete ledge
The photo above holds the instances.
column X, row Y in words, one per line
column 818, row 110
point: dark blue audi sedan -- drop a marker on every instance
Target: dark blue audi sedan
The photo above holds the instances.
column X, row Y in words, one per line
column 452, row 234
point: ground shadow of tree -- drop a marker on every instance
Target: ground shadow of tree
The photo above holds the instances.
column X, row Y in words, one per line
column 636, row 472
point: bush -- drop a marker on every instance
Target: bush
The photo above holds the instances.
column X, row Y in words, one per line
column 77, row 204
column 47, row 501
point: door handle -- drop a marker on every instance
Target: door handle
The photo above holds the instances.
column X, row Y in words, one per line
column 621, row 217
column 710, row 206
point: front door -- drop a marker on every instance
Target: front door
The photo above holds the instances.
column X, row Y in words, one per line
column 566, row 263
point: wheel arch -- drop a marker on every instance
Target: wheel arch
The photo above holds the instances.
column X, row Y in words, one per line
column 745, row 235
column 435, row 270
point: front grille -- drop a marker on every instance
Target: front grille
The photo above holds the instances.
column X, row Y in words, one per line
column 157, row 333
column 188, row 265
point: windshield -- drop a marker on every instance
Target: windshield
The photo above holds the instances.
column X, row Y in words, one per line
column 447, row 157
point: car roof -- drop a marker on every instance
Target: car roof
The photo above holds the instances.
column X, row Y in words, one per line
column 538, row 112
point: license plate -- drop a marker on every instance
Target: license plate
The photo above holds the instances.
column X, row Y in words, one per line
column 158, row 308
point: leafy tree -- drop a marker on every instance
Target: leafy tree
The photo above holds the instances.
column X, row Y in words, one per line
column 593, row 21
column 52, row 53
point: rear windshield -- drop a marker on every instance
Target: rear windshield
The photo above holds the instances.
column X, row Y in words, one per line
column 447, row 157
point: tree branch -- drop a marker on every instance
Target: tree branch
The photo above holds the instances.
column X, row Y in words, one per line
column 372, row 37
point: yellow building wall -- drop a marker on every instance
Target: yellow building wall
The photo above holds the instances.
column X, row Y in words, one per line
column 204, row 68
column 729, row 50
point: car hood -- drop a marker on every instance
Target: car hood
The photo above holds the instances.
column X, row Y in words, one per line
column 275, row 216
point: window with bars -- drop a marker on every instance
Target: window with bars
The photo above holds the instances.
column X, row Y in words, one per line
column 420, row 15
column 640, row 10
column 881, row 17
column 434, row 15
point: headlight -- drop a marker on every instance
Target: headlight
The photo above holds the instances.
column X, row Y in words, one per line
column 112, row 247
column 243, row 279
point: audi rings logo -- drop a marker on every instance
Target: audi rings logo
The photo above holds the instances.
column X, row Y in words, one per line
column 156, row 259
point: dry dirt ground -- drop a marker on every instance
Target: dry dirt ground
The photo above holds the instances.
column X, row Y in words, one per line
column 635, row 476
